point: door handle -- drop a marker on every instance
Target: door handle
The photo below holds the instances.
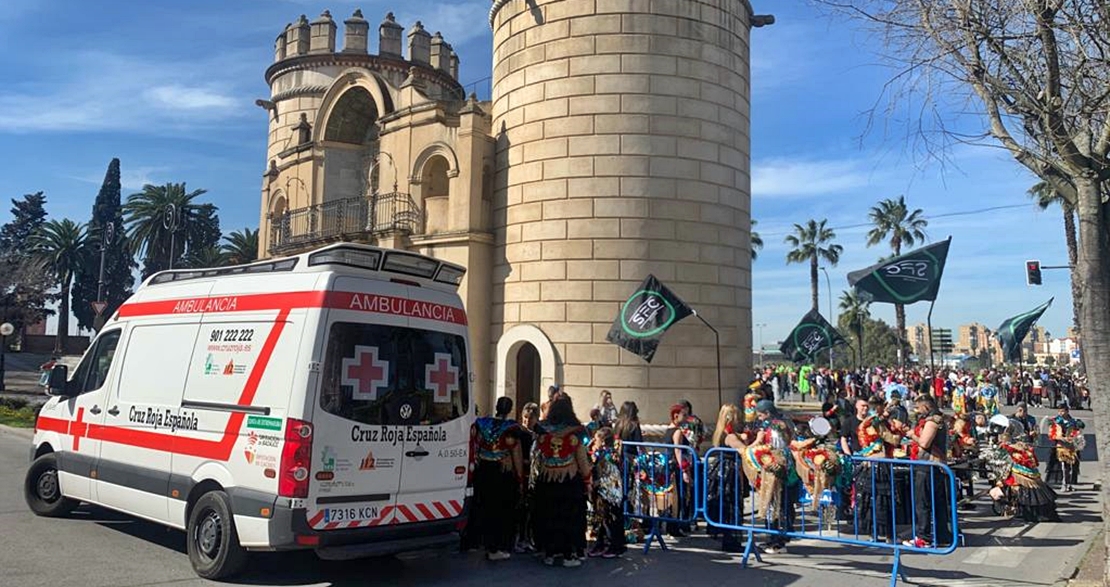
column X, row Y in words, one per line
column 94, row 410
column 114, row 411
column 417, row 453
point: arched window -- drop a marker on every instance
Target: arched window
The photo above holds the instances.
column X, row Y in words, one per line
column 354, row 119
column 434, row 179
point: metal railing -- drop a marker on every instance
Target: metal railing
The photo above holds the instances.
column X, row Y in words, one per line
column 868, row 503
column 343, row 220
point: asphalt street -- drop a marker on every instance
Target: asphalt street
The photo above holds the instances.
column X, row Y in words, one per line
column 96, row 547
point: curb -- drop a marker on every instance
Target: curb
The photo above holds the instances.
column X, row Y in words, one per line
column 24, row 433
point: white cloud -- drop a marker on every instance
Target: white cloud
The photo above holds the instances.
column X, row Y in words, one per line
column 176, row 96
column 104, row 91
column 131, row 178
column 798, row 177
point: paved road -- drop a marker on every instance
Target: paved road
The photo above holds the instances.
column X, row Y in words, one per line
column 100, row 548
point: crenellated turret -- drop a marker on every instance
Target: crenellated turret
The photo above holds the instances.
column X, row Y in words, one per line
column 390, row 35
column 323, row 34
column 279, row 44
column 297, row 37
column 356, row 34
column 440, row 53
column 420, row 44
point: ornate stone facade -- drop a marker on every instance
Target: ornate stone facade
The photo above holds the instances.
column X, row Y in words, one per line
column 616, row 144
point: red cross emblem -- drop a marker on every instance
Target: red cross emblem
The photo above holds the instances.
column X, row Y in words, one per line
column 442, row 378
column 365, row 373
column 78, row 429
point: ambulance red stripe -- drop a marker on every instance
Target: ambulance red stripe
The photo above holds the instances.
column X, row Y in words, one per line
column 336, row 300
column 443, row 512
column 427, row 513
column 219, row 450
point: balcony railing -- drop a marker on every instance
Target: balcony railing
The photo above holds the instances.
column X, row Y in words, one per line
column 347, row 219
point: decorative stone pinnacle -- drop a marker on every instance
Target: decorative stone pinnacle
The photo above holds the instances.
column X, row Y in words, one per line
column 325, row 14
column 302, row 19
column 358, row 13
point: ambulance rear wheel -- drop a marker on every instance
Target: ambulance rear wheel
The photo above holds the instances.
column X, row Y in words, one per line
column 212, row 540
column 42, row 490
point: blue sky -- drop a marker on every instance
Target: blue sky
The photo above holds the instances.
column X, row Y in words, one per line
column 169, row 88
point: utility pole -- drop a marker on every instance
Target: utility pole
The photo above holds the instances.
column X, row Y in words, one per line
column 828, row 284
column 760, row 327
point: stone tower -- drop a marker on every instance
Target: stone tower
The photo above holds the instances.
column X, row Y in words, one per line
column 623, row 149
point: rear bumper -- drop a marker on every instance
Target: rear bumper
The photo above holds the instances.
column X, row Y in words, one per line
column 289, row 530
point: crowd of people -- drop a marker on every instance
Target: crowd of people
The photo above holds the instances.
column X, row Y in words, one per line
column 1040, row 386
column 555, row 486
column 548, row 483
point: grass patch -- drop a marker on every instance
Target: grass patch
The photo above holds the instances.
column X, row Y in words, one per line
column 17, row 417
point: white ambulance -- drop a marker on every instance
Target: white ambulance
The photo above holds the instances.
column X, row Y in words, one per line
column 319, row 401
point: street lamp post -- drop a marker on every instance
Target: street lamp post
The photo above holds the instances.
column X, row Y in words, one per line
column 170, row 221
column 760, row 327
column 5, row 330
column 828, row 283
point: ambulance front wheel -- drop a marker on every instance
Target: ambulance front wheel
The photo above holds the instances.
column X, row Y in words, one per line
column 212, row 541
column 42, row 490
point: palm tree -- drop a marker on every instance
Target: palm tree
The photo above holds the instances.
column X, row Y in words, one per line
column 856, row 312
column 206, row 258
column 809, row 244
column 1046, row 197
column 893, row 220
column 151, row 239
column 757, row 241
column 59, row 245
column 241, row 246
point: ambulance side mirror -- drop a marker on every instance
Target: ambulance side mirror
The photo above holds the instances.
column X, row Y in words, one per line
column 59, row 380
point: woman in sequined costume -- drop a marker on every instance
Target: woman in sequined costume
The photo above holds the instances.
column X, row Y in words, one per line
column 1035, row 500
column 606, row 496
column 562, row 471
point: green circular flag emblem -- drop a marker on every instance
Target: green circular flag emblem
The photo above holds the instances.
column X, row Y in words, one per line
column 646, row 314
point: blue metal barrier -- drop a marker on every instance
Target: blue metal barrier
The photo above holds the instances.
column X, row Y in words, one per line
column 655, row 490
column 885, row 497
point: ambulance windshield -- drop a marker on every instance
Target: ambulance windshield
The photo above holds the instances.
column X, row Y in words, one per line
column 388, row 375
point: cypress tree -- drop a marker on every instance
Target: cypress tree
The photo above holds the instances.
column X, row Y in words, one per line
column 24, row 285
column 118, row 261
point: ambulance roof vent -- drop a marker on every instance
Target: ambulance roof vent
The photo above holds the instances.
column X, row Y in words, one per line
column 262, row 267
column 391, row 261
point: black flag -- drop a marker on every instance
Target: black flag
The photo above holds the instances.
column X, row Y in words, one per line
column 905, row 279
column 645, row 316
column 811, row 336
column 1014, row 330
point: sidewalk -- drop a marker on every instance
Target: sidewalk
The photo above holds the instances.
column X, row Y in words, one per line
column 21, row 375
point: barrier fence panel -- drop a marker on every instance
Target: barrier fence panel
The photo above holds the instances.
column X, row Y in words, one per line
column 660, row 486
column 815, row 494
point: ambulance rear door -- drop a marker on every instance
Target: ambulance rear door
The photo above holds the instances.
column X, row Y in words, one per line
column 437, row 435
column 358, row 438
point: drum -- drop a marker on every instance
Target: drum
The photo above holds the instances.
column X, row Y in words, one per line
column 820, row 427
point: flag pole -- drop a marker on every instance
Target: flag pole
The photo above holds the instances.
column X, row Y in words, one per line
column 929, row 326
column 717, row 337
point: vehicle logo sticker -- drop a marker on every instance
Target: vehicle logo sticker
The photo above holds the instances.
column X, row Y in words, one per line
column 442, row 378
column 263, row 423
column 365, row 373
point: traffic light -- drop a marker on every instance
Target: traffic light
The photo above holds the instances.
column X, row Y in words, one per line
column 1033, row 272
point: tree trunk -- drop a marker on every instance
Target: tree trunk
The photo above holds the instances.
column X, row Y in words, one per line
column 1093, row 270
column 813, row 281
column 63, row 320
column 1073, row 252
column 900, row 319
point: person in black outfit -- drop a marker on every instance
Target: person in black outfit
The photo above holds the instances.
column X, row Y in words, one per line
column 497, row 479
column 684, row 467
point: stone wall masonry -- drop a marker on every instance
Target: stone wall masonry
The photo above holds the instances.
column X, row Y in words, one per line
column 624, row 151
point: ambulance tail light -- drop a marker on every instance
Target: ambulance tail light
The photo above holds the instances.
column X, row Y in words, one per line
column 296, row 459
column 472, row 460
